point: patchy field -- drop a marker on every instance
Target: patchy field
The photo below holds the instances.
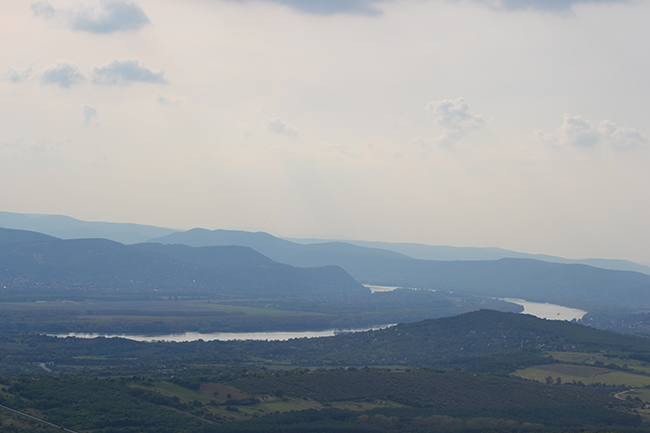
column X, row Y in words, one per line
column 222, row 391
column 595, row 358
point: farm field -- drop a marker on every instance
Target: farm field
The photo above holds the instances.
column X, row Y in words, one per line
column 568, row 373
column 184, row 394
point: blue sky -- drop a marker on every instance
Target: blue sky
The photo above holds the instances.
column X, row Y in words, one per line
column 514, row 124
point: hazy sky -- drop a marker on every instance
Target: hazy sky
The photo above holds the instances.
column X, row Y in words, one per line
column 520, row 124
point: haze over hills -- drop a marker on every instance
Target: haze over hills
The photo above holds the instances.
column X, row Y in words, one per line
column 449, row 253
column 65, row 227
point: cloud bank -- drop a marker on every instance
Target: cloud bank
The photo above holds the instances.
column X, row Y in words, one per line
column 579, row 132
column 455, row 117
column 370, row 7
column 549, row 5
column 100, row 16
column 117, row 72
column 124, row 72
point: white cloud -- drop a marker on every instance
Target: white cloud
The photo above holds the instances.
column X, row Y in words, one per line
column 455, row 117
column 99, row 16
column 621, row 139
column 579, row 132
column 63, row 74
column 125, row 72
column 279, row 127
column 552, row 5
column 90, row 116
column 330, row 7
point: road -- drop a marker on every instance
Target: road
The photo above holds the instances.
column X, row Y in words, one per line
column 37, row 419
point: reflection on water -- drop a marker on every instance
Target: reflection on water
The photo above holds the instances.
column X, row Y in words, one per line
column 546, row 310
column 224, row 336
column 375, row 289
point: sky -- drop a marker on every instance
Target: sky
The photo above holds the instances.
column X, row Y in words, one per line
column 520, row 124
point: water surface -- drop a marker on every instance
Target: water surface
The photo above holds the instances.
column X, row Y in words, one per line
column 546, row 310
column 224, row 336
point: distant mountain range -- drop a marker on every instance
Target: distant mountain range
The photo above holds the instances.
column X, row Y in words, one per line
column 575, row 285
column 39, row 266
column 448, row 253
column 65, row 227
column 201, row 261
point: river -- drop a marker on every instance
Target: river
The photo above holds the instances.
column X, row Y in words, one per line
column 546, row 310
column 224, row 336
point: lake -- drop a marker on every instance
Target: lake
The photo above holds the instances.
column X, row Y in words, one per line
column 546, row 310
column 224, row 336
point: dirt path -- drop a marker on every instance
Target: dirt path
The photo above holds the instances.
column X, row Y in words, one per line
column 619, row 394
